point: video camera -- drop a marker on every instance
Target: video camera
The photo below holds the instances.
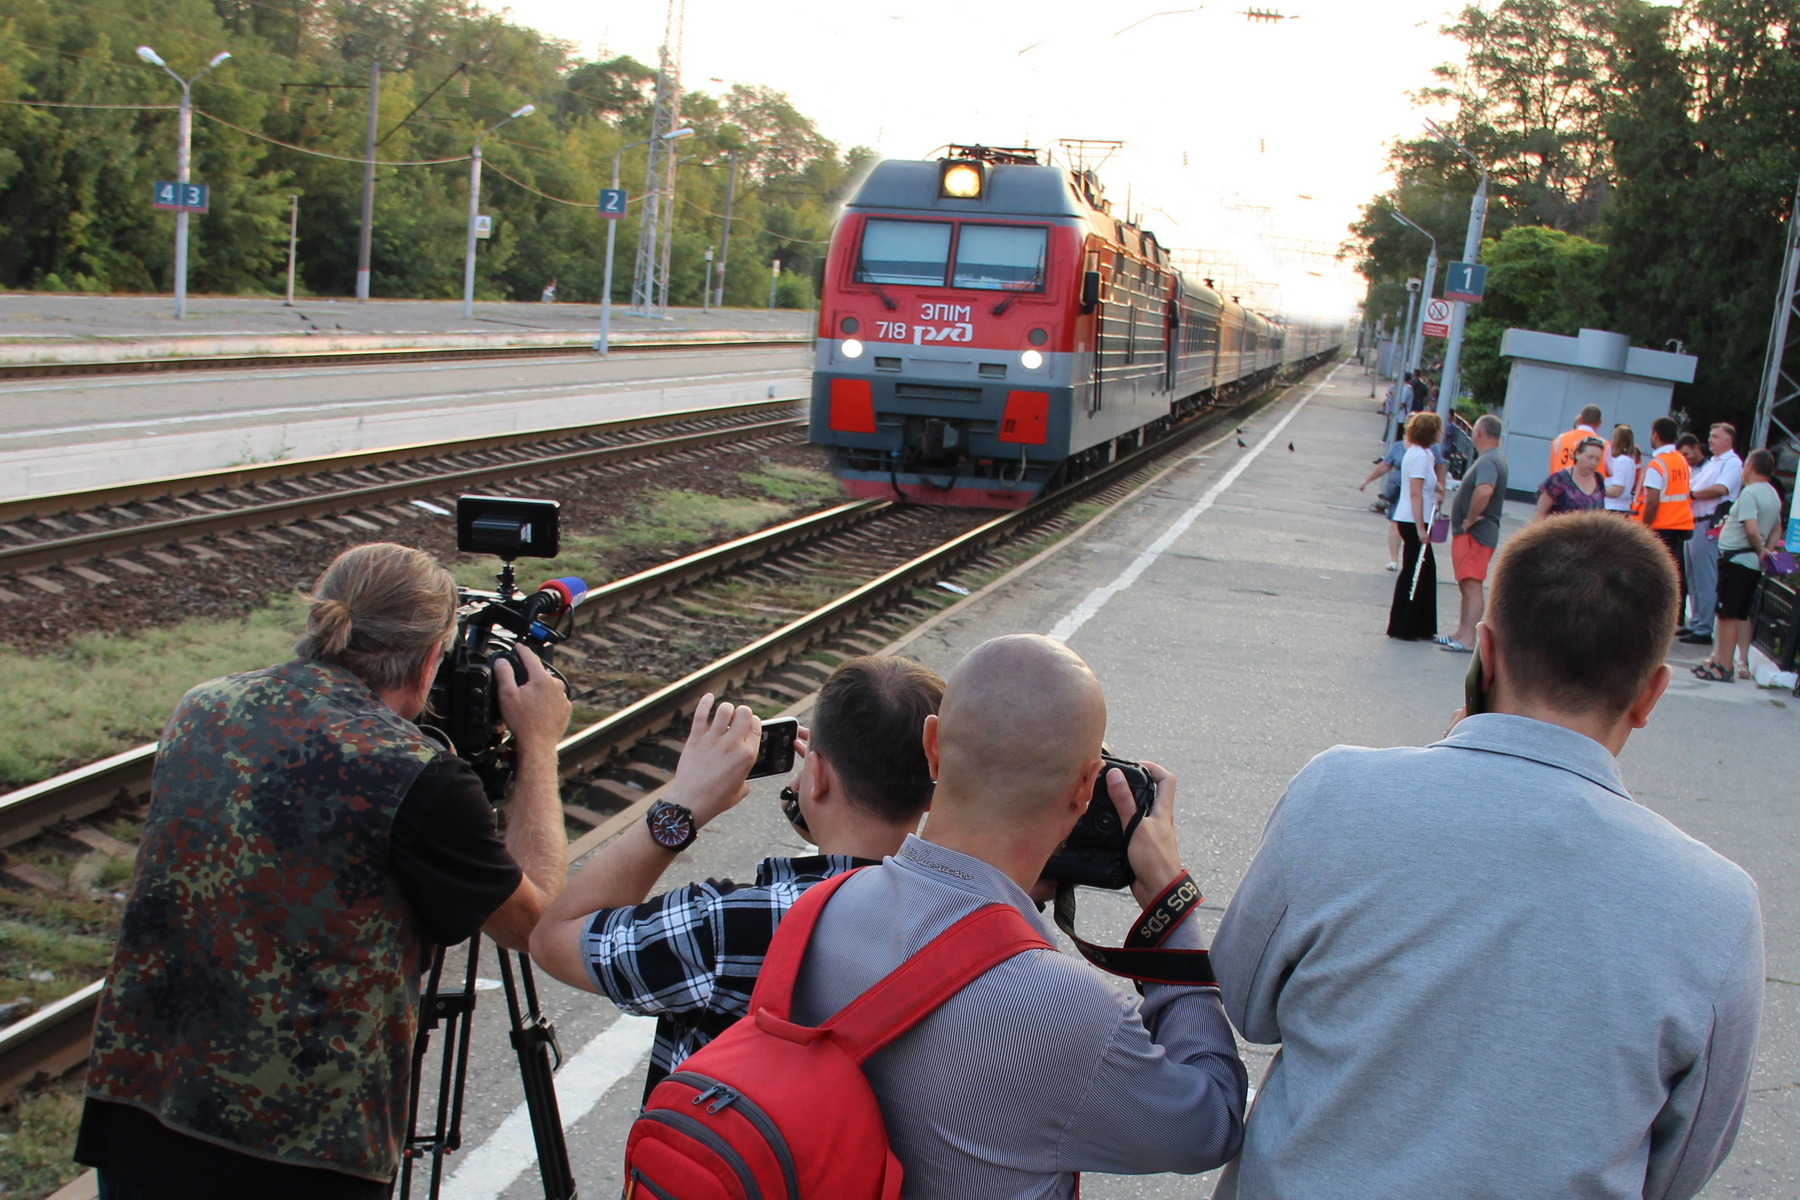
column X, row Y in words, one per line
column 1094, row 853
column 491, row 626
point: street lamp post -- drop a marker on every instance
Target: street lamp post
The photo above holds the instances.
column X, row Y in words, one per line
column 725, row 239
column 1416, row 337
column 1459, row 311
column 184, row 155
column 475, row 208
column 612, row 234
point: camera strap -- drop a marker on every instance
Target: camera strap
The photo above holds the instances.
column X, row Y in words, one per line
column 1143, row 957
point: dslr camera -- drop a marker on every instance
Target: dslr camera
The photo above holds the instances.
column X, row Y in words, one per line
column 492, row 626
column 1094, row 855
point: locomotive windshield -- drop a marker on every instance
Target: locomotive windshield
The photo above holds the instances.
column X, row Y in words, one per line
column 904, row 252
column 1002, row 258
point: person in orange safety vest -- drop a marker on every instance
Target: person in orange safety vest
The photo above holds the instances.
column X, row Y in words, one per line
column 1665, row 504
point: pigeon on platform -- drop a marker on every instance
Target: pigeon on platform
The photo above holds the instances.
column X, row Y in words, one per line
column 1240, row 429
column 1290, row 447
column 1241, row 442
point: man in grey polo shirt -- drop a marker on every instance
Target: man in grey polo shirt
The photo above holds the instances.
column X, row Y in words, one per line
column 1490, row 971
column 1475, row 527
column 1042, row 1067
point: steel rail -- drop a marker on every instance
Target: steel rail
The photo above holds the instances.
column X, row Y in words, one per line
column 275, row 512
column 53, row 503
column 347, row 358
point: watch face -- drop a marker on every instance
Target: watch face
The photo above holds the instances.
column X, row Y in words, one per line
column 671, row 825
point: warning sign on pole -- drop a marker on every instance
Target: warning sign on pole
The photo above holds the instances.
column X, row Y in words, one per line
column 1437, row 318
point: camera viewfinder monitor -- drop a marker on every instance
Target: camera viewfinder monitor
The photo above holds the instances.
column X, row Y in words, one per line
column 507, row 527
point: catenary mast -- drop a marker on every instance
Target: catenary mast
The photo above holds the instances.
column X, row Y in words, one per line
column 656, row 233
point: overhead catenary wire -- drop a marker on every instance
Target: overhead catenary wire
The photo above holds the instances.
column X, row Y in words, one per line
column 357, row 159
column 71, row 104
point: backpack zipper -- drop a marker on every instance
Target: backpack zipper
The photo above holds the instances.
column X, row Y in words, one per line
column 693, row 1128
column 727, row 1097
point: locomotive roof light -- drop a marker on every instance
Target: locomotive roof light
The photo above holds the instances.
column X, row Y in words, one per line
column 961, row 180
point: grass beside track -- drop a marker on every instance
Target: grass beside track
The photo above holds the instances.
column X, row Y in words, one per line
column 103, row 694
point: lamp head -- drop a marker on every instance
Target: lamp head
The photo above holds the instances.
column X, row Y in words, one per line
column 684, row 131
column 526, row 111
column 150, row 56
column 218, row 58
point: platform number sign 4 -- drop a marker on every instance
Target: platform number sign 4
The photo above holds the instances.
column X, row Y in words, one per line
column 612, row 203
column 179, row 197
column 1466, row 282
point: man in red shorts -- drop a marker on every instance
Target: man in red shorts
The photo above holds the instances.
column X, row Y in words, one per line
column 1475, row 528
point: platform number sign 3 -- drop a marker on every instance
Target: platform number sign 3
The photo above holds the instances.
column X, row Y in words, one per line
column 1466, row 282
column 179, row 197
column 612, row 203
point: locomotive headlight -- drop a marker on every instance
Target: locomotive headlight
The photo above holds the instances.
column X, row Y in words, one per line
column 852, row 348
column 961, row 181
column 1031, row 360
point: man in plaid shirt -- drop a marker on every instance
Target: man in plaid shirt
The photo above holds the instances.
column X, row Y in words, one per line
column 690, row 957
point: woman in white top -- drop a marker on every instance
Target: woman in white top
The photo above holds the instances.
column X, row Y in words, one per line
column 1414, row 612
column 1621, row 471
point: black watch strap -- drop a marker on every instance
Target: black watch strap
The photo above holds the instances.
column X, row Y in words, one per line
column 671, row 826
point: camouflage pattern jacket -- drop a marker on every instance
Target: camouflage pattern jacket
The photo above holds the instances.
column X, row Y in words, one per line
column 263, row 993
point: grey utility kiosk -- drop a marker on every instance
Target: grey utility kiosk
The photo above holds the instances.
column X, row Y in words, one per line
column 1553, row 377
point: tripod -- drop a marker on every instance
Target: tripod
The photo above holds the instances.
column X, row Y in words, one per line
column 533, row 1039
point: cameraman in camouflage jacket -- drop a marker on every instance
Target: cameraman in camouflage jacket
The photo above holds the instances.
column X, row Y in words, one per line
column 305, row 844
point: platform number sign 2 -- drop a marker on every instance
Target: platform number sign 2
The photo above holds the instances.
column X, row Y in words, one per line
column 612, row 203
column 179, row 197
column 1466, row 282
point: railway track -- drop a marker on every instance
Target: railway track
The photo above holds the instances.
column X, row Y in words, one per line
column 109, row 523
column 611, row 767
column 349, row 358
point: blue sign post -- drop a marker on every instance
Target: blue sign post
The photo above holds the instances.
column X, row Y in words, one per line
column 612, row 203
column 179, row 197
column 1466, row 282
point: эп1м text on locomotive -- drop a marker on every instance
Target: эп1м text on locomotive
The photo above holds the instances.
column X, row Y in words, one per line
column 987, row 328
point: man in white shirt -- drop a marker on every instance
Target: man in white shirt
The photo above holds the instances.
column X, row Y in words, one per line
column 1715, row 486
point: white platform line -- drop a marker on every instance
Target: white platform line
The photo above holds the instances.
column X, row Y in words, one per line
column 1096, row 599
column 491, row 1167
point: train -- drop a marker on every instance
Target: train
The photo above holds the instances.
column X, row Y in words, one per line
column 988, row 328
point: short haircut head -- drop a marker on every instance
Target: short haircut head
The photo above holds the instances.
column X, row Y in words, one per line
column 379, row 611
column 1584, row 606
column 1590, row 416
column 1624, row 440
column 1023, row 716
column 1687, row 441
column 869, row 722
column 1664, row 429
column 1422, row 428
column 1488, row 426
column 1725, row 427
column 1762, row 462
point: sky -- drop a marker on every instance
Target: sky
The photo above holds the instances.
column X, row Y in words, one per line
column 1255, row 141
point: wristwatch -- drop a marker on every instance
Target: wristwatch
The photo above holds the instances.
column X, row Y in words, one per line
column 671, row 826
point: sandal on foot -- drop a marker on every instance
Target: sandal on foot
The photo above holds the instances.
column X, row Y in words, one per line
column 1743, row 672
column 1712, row 672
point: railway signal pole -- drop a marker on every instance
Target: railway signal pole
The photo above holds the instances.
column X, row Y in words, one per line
column 183, row 161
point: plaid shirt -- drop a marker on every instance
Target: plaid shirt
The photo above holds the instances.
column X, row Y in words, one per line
column 690, row 957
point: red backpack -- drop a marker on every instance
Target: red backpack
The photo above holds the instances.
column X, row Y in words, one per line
column 772, row 1110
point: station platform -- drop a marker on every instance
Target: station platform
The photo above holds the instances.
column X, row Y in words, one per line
column 38, row 327
column 1235, row 611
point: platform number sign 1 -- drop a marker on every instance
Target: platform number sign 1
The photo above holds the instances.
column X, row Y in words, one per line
column 179, row 197
column 612, row 203
column 1466, row 282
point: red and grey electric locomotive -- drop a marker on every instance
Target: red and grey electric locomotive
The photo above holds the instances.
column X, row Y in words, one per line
column 987, row 328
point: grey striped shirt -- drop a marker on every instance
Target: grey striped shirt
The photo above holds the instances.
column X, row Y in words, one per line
column 1040, row 1068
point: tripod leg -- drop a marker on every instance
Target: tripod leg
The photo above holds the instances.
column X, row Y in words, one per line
column 534, row 1038
column 452, row 1010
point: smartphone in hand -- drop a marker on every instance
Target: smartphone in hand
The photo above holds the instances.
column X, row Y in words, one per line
column 775, row 755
